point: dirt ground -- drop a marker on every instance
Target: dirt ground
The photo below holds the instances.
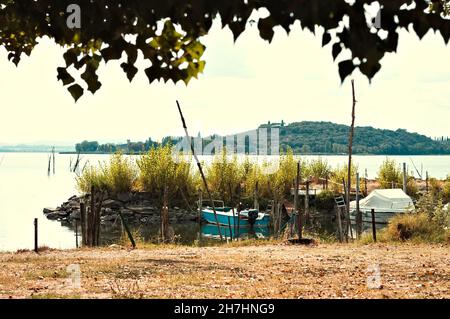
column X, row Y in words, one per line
column 263, row 271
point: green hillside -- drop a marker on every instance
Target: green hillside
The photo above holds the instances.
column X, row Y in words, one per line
column 327, row 137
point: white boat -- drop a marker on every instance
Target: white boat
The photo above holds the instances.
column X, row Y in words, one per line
column 385, row 202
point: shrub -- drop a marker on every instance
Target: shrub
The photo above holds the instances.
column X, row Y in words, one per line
column 120, row 174
column 340, row 173
column 319, row 168
column 158, row 169
column 91, row 177
column 389, row 173
column 325, row 200
column 415, row 227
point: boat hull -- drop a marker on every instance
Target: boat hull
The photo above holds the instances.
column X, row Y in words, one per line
column 228, row 218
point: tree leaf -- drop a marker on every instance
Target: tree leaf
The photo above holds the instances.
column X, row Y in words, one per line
column 76, row 91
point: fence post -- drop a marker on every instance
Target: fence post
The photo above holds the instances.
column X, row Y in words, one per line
column 36, row 247
column 374, row 230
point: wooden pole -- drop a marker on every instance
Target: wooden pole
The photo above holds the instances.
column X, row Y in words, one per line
column 358, row 213
column 339, row 222
column 229, row 228
column 350, row 145
column 36, row 245
column 130, row 236
column 201, row 170
column 296, row 210
column 374, row 229
column 54, row 160
column 83, row 223
column 345, row 231
column 404, row 177
column 76, row 233
column 307, row 202
column 426, row 181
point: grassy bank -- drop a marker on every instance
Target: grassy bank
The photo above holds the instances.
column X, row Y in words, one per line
column 270, row 270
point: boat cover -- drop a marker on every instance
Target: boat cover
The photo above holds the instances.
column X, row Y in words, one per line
column 386, row 200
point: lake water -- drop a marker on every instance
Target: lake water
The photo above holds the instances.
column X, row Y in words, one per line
column 25, row 189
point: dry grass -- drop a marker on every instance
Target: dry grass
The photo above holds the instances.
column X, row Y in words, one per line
column 273, row 270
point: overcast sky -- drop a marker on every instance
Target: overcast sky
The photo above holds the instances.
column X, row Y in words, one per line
column 244, row 84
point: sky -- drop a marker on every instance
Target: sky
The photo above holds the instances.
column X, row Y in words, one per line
column 244, row 84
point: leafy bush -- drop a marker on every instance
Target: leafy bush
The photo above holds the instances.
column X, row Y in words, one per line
column 116, row 176
column 120, row 174
column 389, row 173
column 340, row 173
column 325, row 200
column 158, row 169
column 319, row 168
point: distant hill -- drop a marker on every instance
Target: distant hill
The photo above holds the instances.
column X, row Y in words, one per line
column 326, row 137
column 309, row 138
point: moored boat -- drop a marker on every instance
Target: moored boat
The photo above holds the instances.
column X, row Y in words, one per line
column 230, row 216
column 385, row 202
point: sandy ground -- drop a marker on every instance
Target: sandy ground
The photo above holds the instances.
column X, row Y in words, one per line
column 269, row 271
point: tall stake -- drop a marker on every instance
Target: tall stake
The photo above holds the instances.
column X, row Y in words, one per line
column 201, row 170
column 404, row 177
column 358, row 213
column 296, row 211
column 350, row 145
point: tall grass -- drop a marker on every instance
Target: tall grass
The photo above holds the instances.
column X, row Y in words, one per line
column 118, row 175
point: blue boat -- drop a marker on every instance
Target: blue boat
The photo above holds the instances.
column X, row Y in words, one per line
column 211, row 231
column 230, row 216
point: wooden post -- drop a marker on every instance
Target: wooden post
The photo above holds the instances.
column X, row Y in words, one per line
column 349, row 172
column 339, row 222
column 345, row 231
column 229, row 228
column 374, row 229
column 130, row 236
column 83, row 223
column 36, row 245
column 358, row 213
column 49, row 164
column 296, row 210
column 54, row 160
column 307, row 202
column 76, row 233
column 326, row 181
column 404, row 177
column 426, row 181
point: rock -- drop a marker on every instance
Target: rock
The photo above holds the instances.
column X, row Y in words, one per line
column 125, row 197
column 75, row 214
column 49, row 210
column 53, row 215
column 109, row 218
column 111, row 203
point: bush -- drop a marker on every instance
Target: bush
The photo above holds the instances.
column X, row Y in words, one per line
column 340, row 173
column 319, row 168
column 416, row 227
column 117, row 176
column 158, row 169
column 325, row 200
column 91, row 177
column 389, row 173
column 120, row 174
